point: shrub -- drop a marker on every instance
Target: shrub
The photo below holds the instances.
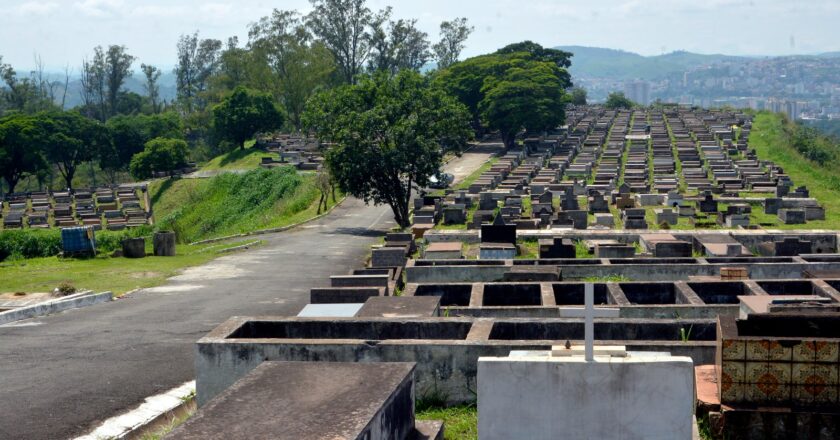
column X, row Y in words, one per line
column 65, row 288
column 37, row 243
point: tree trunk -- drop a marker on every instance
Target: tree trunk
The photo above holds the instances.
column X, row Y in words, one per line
column 509, row 140
column 68, row 176
column 11, row 182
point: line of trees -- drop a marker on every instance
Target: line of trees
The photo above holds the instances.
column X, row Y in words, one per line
column 350, row 75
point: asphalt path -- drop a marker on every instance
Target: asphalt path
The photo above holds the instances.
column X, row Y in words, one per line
column 62, row 375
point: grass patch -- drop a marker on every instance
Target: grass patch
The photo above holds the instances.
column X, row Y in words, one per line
column 103, row 273
column 238, row 159
column 461, row 422
column 772, row 138
column 234, row 203
column 528, row 249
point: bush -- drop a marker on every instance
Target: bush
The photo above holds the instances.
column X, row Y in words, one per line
column 65, row 288
column 29, row 243
column 37, row 243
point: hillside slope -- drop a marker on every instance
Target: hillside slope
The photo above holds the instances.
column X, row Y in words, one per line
column 771, row 137
column 232, row 203
column 618, row 64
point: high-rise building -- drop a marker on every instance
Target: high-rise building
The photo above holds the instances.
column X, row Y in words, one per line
column 637, row 91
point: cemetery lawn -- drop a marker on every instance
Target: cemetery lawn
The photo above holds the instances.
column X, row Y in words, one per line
column 103, row 273
column 460, row 422
column 238, row 159
column 771, row 139
column 465, row 184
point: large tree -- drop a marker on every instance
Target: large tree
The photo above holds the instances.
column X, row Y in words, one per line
column 71, row 139
column 453, row 35
column 389, row 133
column 470, row 80
column 130, row 134
column 298, row 64
column 20, row 154
column 198, row 59
column 159, row 155
column 152, row 75
column 617, row 100
column 397, row 45
column 117, row 69
column 343, row 27
column 528, row 96
column 245, row 113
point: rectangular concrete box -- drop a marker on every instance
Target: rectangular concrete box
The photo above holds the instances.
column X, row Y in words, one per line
column 546, row 398
column 310, row 400
column 446, row 350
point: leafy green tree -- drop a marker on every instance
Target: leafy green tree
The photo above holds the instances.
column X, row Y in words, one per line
column 159, row 155
column 152, row 75
column 342, row 25
column 530, row 96
column 130, row 135
column 297, row 64
column 538, row 53
column 578, row 96
column 198, row 59
column 389, row 133
column 397, row 45
column 70, row 139
column 617, row 100
column 19, row 152
column 245, row 113
column 535, row 69
column 453, row 35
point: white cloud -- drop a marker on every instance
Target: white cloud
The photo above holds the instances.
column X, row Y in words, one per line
column 99, row 8
column 36, row 8
column 219, row 10
column 158, row 11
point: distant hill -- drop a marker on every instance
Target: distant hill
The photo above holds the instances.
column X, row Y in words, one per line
column 618, row 64
column 135, row 84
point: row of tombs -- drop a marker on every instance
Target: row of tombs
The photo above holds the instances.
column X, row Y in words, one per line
column 757, row 356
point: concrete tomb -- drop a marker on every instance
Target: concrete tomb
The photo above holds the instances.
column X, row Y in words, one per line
column 314, row 400
column 589, row 392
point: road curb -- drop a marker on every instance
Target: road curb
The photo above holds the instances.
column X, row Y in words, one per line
column 272, row 230
column 54, row 306
column 153, row 409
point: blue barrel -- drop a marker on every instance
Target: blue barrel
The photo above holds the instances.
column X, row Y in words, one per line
column 78, row 240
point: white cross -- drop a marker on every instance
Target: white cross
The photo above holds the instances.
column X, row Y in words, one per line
column 589, row 325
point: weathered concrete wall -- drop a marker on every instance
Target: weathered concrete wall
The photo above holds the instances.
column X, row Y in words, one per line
column 443, row 366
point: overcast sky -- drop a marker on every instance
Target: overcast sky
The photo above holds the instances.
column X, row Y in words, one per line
column 64, row 31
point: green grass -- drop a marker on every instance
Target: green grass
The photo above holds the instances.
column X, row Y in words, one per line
column 230, row 203
column 103, row 273
column 465, row 184
column 238, row 159
column 460, row 422
column 771, row 138
column 528, row 249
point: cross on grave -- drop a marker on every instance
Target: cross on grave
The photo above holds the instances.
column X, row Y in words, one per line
column 588, row 349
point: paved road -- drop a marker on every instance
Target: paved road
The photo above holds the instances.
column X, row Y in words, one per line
column 63, row 374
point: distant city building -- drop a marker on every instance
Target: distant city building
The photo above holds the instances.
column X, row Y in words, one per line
column 637, row 91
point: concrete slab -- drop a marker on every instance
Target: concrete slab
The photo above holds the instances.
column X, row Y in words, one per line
column 310, row 400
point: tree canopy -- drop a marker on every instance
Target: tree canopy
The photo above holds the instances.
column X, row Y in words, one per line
column 617, row 100
column 389, row 135
column 511, row 90
column 159, row 155
column 245, row 113
column 19, row 156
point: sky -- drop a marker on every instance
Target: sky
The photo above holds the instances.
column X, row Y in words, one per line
column 63, row 32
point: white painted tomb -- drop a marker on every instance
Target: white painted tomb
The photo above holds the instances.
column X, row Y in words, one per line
column 589, row 392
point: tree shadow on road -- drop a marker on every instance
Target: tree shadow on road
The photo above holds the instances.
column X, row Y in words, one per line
column 359, row 232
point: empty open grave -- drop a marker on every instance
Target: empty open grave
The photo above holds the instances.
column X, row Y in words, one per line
column 726, row 292
column 572, row 294
column 793, row 287
column 367, row 330
column 512, row 295
column 611, row 330
column 450, row 294
column 651, row 293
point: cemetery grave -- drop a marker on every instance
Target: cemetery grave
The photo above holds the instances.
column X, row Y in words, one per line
column 112, row 208
column 301, row 151
column 647, row 242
